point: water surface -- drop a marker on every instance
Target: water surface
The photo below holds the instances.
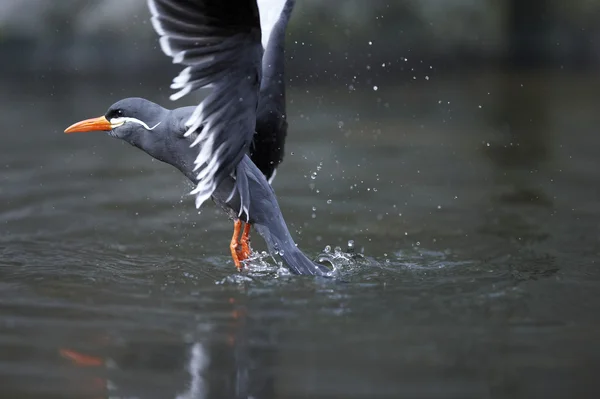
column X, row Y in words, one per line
column 474, row 202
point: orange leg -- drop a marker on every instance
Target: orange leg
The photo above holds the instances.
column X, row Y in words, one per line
column 237, row 226
column 82, row 359
column 245, row 242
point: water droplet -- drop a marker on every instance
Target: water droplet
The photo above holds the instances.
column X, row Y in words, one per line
column 375, row 88
column 439, row 207
column 327, row 249
column 313, row 175
column 350, row 244
column 281, row 252
column 314, row 208
column 329, row 201
column 340, row 124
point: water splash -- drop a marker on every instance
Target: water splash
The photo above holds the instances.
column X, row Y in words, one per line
column 258, row 265
column 339, row 259
column 262, row 265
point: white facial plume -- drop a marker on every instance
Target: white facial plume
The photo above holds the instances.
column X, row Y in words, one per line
column 116, row 122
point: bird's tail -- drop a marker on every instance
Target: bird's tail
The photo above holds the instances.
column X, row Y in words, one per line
column 280, row 242
column 265, row 216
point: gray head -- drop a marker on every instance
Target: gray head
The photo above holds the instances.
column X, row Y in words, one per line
column 133, row 118
column 147, row 126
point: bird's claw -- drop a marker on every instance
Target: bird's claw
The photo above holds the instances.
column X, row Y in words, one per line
column 245, row 251
column 240, row 250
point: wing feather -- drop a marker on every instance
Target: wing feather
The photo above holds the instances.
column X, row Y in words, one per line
column 219, row 42
column 268, row 146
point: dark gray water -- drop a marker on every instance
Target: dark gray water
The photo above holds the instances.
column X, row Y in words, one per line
column 475, row 203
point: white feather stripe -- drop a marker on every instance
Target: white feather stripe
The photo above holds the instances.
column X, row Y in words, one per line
column 272, row 176
column 208, row 128
column 156, row 25
column 183, row 76
column 176, row 96
column 194, row 125
column 203, row 135
column 209, row 168
column 242, row 207
column 152, row 7
column 201, row 198
column 177, row 58
column 190, row 131
column 165, row 46
column 122, row 120
column 198, row 140
column 207, row 171
column 204, row 189
column 212, row 164
column 201, row 138
column 195, row 120
column 196, row 114
column 269, row 11
column 205, row 152
column 231, row 195
column 180, row 56
column 182, row 79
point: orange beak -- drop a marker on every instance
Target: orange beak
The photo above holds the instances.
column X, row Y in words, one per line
column 90, row 125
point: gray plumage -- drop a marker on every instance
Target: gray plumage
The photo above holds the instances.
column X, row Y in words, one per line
column 220, row 43
column 223, row 47
column 267, row 148
column 168, row 143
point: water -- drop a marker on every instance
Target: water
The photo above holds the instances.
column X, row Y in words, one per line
column 472, row 205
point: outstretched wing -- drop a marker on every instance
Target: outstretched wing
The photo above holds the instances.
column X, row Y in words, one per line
column 219, row 42
column 267, row 149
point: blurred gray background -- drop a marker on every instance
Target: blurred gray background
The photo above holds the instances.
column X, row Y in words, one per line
column 96, row 36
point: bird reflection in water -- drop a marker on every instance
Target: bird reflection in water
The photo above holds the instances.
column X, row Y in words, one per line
column 220, row 364
column 102, row 372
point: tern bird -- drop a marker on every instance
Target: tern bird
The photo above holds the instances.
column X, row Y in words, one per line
column 231, row 143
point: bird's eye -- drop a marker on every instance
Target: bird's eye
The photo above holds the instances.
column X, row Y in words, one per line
column 114, row 113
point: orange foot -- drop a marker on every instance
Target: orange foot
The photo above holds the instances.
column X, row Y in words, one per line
column 240, row 250
column 245, row 252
